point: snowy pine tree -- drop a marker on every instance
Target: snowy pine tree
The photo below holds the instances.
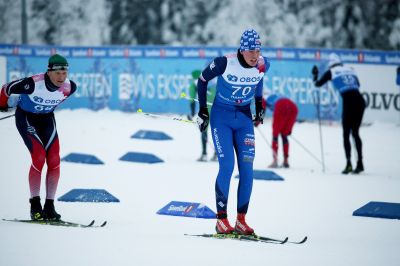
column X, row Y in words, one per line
column 288, row 23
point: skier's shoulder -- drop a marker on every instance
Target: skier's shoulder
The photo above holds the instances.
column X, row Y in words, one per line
column 221, row 61
column 215, row 68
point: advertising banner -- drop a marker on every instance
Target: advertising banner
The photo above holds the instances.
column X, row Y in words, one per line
column 153, row 78
column 3, row 72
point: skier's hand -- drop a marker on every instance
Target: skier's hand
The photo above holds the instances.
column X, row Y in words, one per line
column 260, row 112
column 314, row 72
column 203, row 118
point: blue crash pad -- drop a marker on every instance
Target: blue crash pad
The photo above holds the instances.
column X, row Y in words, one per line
column 153, row 135
column 187, row 209
column 82, row 158
column 265, row 175
column 379, row 210
column 88, row 195
column 140, row 157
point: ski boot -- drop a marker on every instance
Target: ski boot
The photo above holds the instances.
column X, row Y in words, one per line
column 49, row 213
column 203, row 158
column 359, row 168
column 347, row 169
column 285, row 163
column 241, row 226
column 223, row 226
column 36, row 209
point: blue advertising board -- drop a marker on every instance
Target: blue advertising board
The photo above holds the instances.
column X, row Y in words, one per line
column 187, row 209
column 153, row 78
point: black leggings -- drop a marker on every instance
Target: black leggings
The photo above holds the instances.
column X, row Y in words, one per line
column 353, row 111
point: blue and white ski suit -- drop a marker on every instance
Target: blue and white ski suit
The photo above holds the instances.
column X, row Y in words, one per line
column 231, row 122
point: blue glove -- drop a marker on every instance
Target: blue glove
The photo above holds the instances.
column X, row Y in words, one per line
column 203, row 118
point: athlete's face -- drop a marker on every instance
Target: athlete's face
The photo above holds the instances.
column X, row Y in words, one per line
column 58, row 77
column 251, row 57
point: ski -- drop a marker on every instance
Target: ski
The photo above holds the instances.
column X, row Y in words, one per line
column 58, row 223
column 253, row 238
column 299, row 242
column 264, row 239
column 287, row 240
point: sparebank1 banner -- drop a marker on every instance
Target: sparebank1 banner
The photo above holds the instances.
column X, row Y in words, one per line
column 153, row 78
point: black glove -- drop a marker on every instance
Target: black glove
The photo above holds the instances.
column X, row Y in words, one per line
column 260, row 111
column 203, row 118
column 314, row 72
column 4, row 108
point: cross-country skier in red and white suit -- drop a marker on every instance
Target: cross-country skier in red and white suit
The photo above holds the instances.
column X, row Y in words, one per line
column 39, row 95
column 284, row 116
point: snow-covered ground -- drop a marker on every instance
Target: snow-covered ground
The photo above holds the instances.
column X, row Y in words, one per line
column 309, row 202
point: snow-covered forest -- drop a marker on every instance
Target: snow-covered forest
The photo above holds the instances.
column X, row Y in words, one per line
column 281, row 23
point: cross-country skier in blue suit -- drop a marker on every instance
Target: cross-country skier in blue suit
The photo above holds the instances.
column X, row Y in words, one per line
column 240, row 79
column 345, row 80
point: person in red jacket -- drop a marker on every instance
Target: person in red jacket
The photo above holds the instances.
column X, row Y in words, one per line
column 39, row 95
column 284, row 115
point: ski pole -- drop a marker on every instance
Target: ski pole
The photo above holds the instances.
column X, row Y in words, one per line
column 179, row 119
column 320, row 131
column 7, row 116
column 268, row 143
column 307, row 150
column 263, row 136
column 184, row 96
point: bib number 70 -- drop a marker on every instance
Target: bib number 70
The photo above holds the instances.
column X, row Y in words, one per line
column 244, row 90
